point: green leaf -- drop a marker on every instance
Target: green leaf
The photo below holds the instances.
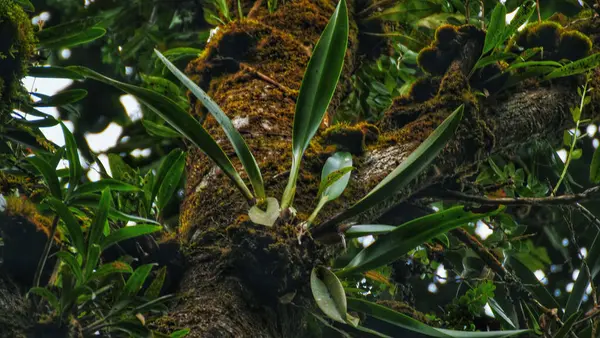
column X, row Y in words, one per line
column 92, row 259
column 495, row 31
column 408, row 236
column 583, row 279
column 72, row 263
column 170, row 183
column 317, row 88
column 114, row 185
column 523, row 14
column 499, row 312
column 265, row 217
column 75, row 169
column 401, row 320
column 136, row 281
column 83, row 37
column 533, row 284
column 180, row 333
column 47, row 295
column 234, row 136
column 577, row 67
column 73, row 227
column 328, row 293
column 595, row 167
column 60, row 99
column 576, row 154
column 416, row 162
column 127, row 233
column 163, row 169
column 568, row 325
column 178, row 119
column 49, row 175
column 159, row 130
column 53, row 72
column 26, row 5
column 97, row 228
column 335, row 175
column 484, row 61
column 408, row 41
column 524, row 64
column 368, row 229
column 110, row 268
column 153, row 290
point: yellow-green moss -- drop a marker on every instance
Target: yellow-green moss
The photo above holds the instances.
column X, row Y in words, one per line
column 351, row 138
column 16, row 49
column 17, row 206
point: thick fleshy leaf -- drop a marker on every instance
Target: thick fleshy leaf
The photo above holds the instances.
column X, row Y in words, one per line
column 49, row 175
column 408, row 236
column 265, row 217
column 401, row 320
column 361, row 230
column 170, row 183
column 163, row 169
column 317, row 88
column 114, row 185
column 179, row 119
column 333, row 185
column 136, row 280
column 60, row 99
column 329, row 293
column 234, row 136
column 583, row 279
column 416, row 162
column 73, row 227
column 495, row 31
column 127, row 233
column 159, row 130
column 576, row 67
column 54, row 72
column 75, row 169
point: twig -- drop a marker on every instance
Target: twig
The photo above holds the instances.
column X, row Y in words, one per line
column 254, row 8
column 488, row 257
column 292, row 93
column 587, row 195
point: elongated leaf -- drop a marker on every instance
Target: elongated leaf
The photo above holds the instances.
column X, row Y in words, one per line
column 404, row 39
column 499, row 312
column 73, row 227
column 234, row 136
column 75, row 169
column 92, row 259
column 401, row 320
column 114, row 185
column 49, row 175
column 329, row 293
column 170, row 182
column 178, row 119
column 26, row 5
column 54, row 72
column 564, row 331
column 83, row 37
column 97, row 228
column 583, row 279
column 408, row 236
column 180, row 333
column 110, row 268
column 60, row 99
column 488, row 60
column 333, row 185
column 524, row 64
column 368, row 229
column 72, row 263
column 523, row 14
column 577, row 67
column 495, row 31
column 127, row 233
column 318, row 85
column 58, row 32
column 528, row 278
column 163, row 169
column 153, row 290
column 408, row 169
column 136, row 280
column 47, row 295
column 156, row 129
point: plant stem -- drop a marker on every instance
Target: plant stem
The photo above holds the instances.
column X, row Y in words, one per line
column 322, row 201
column 290, row 189
column 44, row 257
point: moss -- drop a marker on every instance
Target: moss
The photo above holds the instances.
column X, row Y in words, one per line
column 444, row 36
column 18, row 206
column 351, row 138
column 545, row 34
column 424, row 88
column 574, row 45
column 16, row 49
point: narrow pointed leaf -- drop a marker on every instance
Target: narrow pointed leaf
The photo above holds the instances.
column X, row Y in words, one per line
column 75, row 169
column 416, row 162
column 317, row 88
column 93, row 257
column 73, row 227
column 49, row 175
column 583, row 279
column 488, row 60
column 53, row 72
column 401, row 320
column 136, row 280
column 127, row 233
column 180, row 120
column 577, row 67
column 163, row 169
column 523, row 14
column 234, row 136
column 368, row 229
column 114, row 185
column 153, row 290
column 60, row 99
column 170, row 183
column 159, row 130
column 83, row 37
column 495, row 31
column 335, row 175
column 110, row 268
column 329, row 293
column 533, row 284
column 72, row 263
column 47, row 295
column 568, row 325
column 595, row 167
column 97, row 228
column 408, row 236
